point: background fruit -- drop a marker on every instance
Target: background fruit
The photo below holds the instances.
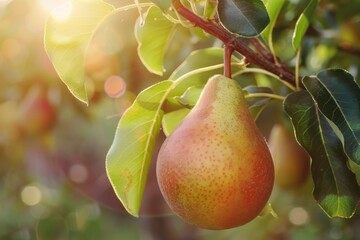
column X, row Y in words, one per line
column 291, row 161
column 215, row 170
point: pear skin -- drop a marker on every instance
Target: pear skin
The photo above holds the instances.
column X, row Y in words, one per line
column 215, row 169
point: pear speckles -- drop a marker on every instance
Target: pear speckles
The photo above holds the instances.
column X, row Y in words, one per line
column 215, row 169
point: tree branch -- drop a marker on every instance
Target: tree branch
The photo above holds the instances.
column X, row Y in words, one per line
column 349, row 49
column 237, row 43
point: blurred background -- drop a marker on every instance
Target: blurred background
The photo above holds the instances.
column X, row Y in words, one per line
column 52, row 147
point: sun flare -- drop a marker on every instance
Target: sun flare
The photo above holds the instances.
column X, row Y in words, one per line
column 60, row 9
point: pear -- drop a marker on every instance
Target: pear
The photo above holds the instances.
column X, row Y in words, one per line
column 292, row 163
column 215, row 169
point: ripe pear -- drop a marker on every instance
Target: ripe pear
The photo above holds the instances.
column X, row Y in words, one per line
column 292, row 163
column 215, row 169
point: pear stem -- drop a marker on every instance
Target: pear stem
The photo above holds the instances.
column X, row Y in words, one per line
column 237, row 43
column 227, row 60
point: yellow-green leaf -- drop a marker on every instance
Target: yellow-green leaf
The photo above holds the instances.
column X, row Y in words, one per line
column 172, row 119
column 69, row 30
column 129, row 157
column 273, row 7
column 153, row 36
column 303, row 23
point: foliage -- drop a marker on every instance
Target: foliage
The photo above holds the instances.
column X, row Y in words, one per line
column 291, row 42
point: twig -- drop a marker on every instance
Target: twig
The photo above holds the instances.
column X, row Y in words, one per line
column 349, row 49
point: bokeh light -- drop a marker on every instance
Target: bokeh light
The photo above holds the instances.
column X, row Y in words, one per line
column 298, row 216
column 31, row 195
column 115, row 86
column 78, row 173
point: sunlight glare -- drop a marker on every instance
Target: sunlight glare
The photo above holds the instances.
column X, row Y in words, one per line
column 4, row 2
column 49, row 5
column 58, row 12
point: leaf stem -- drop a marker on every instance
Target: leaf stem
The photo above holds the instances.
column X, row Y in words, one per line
column 262, row 71
column 192, row 5
column 132, row 6
column 139, row 10
column 269, row 95
column 297, row 69
column 206, row 69
column 271, row 44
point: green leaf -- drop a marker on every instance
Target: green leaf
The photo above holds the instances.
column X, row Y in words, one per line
column 164, row 5
column 257, row 104
column 273, row 7
column 356, row 170
column 210, row 9
column 336, row 189
column 268, row 210
column 172, row 119
column 338, row 96
column 244, row 17
column 68, row 32
column 190, row 97
column 129, row 157
column 153, row 37
column 302, row 23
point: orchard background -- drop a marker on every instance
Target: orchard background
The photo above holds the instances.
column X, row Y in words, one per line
column 53, row 147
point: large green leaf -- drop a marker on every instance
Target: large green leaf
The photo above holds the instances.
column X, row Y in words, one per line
column 128, row 159
column 338, row 98
column 243, row 17
column 163, row 4
column 153, row 36
column 68, row 32
column 303, row 23
column 273, row 7
column 336, row 189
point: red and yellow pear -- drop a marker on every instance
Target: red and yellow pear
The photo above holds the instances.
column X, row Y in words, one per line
column 215, row 169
